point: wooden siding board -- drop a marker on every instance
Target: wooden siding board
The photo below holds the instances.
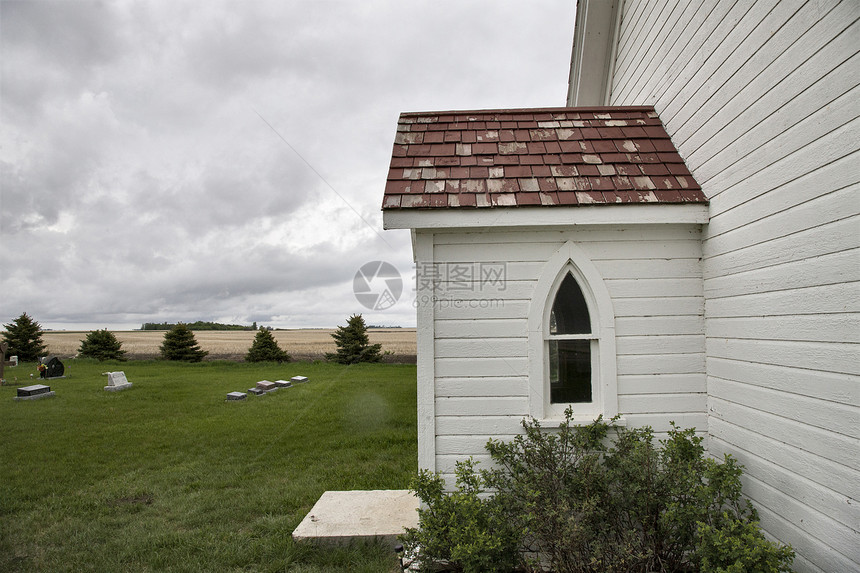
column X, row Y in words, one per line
column 795, row 196
column 667, row 403
column 728, row 61
column 827, row 273
column 796, row 299
column 831, row 356
column 829, row 238
column 840, row 327
column 839, row 418
column 832, row 446
column 823, row 385
column 766, row 92
column 489, row 387
column 656, row 345
column 661, row 383
column 835, row 205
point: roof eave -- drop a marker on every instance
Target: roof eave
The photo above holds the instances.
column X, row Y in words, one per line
column 559, row 216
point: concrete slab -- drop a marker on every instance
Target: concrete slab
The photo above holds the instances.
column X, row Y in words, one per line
column 339, row 517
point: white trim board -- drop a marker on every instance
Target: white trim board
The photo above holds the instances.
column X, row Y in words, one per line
column 696, row 214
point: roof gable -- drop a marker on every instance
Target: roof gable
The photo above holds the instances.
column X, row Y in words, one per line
column 535, row 157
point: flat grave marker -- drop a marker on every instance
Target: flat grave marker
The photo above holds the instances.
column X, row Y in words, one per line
column 298, row 379
column 232, row 396
column 266, row 385
column 283, row 383
column 34, row 392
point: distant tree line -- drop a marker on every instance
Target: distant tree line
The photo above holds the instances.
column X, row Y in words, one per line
column 199, row 325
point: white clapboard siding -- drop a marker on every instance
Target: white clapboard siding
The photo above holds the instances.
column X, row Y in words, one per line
column 834, row 237
column 662, row 403
column 817, row 212
column 763, row 73
column 486, row 328
column 816, row 273
column 654, row 345
column 483, row 406
column 840, row 418
column 481, row 339
column 827, row 299
column 487, row 387
column 762, row 100
column 821, row 384
column 810, row 327
column 803, row 195
column 661, row 383
column 827, row 444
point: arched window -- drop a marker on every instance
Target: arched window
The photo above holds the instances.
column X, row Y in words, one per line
column 569, row 346
column 571, row 340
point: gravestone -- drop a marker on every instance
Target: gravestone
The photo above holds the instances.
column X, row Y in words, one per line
column 34, row 392
column 117, row 381
column 266, row 386
column 298, row 379
column 283, row 383
column 236, row 396
column 256, row 391
column 53, row 368
column 4, row 346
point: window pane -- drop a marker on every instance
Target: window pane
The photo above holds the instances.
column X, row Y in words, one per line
column 569, row 371
column 569, row 312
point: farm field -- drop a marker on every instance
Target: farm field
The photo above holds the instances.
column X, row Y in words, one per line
column 168, row 476
column 302, row 344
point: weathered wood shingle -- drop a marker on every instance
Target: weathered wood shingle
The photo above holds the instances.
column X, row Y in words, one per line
column 536, row 157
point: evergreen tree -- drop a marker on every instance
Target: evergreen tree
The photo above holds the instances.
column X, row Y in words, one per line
column 24, row 336
column 353, row 344
column 265, row 349
column 180, row 344
column 101, row 345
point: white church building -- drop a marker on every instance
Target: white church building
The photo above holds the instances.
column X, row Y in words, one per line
column 679, row 243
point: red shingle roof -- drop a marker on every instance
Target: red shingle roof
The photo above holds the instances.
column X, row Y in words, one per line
column 525, row 157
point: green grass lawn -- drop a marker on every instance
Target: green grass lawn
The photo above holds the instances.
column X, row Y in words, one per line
column 168, row 476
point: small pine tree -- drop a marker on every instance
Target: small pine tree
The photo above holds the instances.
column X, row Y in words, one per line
column 24, row 336
column 102, row 345
column 353, row 344
column 180, row 344
column 265, row 349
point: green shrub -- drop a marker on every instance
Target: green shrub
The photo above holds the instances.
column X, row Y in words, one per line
column 468, row 531
column 180, row 344
column 101, row 345
column 602, row 498
column 265, row 349
column 738, row 546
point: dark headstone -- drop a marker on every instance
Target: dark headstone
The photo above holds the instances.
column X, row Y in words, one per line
column 256, row 391
column 236, row 396
column 53, row 367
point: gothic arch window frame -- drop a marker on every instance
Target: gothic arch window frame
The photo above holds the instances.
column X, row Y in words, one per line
column 572, row 259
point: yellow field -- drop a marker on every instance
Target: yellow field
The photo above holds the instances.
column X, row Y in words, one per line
column 304, row 344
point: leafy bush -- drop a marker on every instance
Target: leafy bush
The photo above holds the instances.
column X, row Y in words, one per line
column 265, row 349
column 24, row 336
column 469, row 532
column 101, row 345
column 578, row 500
column 180, row 344
column 353, row 344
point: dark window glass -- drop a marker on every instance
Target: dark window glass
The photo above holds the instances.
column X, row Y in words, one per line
column 570, row 371
column 569, row 312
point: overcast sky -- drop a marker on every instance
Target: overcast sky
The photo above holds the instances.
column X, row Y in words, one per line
column 225, row 161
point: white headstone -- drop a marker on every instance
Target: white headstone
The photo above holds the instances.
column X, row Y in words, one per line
column 117, row 381
column 13, row 360
column 298, row 379
column 283, row 383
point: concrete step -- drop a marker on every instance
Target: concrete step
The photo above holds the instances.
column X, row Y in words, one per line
column 339, row 517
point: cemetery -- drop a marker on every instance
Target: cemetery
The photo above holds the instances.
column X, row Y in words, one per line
column 196, row 469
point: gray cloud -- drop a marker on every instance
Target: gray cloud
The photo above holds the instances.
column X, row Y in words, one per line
column 138, row 181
